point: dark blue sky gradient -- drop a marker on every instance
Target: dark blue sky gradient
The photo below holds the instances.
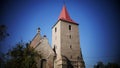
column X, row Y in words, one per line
column 99, row 22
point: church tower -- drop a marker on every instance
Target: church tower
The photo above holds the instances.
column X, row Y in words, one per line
column 66, row 42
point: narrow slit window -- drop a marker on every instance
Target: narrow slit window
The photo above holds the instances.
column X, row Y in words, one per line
column 70, row 36
column 70, row 46
column 69, row 27
column 71, row 57
column 78, row 57
column 55, row 29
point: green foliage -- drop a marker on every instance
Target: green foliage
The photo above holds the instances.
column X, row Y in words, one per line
column 109, row 65
column 22, row 56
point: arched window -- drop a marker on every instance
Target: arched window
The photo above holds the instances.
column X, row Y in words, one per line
column 43, row 63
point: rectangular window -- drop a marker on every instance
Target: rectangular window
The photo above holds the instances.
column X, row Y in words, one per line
column 71, row 57
column 71, row 46
column 69, row 27
column 70, row 36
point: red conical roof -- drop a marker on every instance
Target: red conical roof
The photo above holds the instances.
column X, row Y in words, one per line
column 65, row 16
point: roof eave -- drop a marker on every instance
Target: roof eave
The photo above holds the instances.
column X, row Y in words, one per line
column 65, row 21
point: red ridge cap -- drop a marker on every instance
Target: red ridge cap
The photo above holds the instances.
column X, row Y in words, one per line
column 64, row 15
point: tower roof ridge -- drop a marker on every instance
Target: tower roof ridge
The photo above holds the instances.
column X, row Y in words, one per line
column 64, row 15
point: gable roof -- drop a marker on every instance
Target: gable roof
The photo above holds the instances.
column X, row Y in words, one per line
column 35, row 40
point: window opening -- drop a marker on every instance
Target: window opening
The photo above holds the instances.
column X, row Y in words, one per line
column 69, row 27
column 70, row 46
column 55, row 29
column 71, row 57
column 70, row 36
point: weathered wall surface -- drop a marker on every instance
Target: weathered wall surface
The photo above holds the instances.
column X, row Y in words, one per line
column 65, row 49
column 56, row 43
column 70, row 44
column 46, row 51
column 42, row 46
column 67, row 44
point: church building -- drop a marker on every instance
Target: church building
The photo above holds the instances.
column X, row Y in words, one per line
column 65, row 51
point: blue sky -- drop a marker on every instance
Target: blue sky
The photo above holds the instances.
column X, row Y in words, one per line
column 98, row 24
